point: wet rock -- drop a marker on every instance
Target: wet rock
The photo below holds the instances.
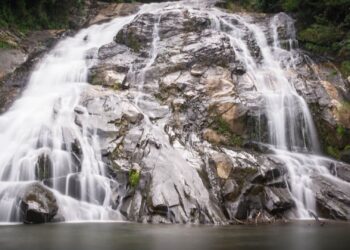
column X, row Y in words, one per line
column 222, row 164
column 108, row 11
column 195, row 83
column 43, row 167
column 234, row 115
column 197, row 70
column 70, row 185
column 239, row 69
column 278, row 200
column 133, row 116
column 212, row 136
column 341, row 170
column 332, row 198
column 38, row 204
column 345, row 156
column 10, row 59
column 138, row 34
column 178, row 104
column 109, row 78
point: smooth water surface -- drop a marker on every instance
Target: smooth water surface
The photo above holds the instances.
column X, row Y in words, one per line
column 100, row 236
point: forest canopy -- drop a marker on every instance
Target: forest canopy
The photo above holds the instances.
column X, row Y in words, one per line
column 36, row 14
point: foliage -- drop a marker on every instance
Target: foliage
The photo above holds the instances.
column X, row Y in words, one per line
column 334, row 152
column 38, row 14
column 134, row 177
column 345, row 67
column 5, row 45
column 321, row 34
column 340, row 130
column 223, row 128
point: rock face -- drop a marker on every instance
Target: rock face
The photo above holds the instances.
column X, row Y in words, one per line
column 38, row 204
column 175, row 100
column 156, row 118
column 332, row 198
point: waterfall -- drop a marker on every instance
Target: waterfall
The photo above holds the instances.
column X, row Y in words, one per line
column 291, row 131
column 42, row 140
column 40, row 131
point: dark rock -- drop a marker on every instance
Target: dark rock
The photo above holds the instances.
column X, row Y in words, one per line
column 332, row 198
column 341, row 170
column 70, row 185
column 278, row 200
column 38, row 204
column 43, row 167
column 345, row 156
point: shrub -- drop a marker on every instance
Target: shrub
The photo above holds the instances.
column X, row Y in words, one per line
column 134, row 177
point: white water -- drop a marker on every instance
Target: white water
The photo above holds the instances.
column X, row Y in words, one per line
column 292, row 134
column 42, row 121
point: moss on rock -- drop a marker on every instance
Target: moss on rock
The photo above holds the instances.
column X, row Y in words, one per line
column 134, row 177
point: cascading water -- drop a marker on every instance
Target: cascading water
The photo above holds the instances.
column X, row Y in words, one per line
column 291, row 131
column 41, row 139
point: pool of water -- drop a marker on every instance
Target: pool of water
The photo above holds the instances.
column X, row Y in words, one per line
column 100, row 236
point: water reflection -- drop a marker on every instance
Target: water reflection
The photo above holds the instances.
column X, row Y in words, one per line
column 99, row 236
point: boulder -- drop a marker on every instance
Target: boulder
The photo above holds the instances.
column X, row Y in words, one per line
column 38, row 204
column 345, row 156
column 213, row 137
column 222, row 164
column 332, row 198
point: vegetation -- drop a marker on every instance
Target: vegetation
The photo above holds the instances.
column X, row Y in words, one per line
column 324, row 25
column 134, row 177
column 223, row 128
column 37, row 14
column 41, row 14
column 5, row 45
column 334, row 152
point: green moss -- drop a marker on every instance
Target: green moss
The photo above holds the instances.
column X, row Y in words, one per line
column 134, row 177
column 5, row 45
column 116, row 86
column 236, row 140
column 256, row 190
column 340, row 130
column 334, row 152
column 161, row 96
column 344, row 112
column 345, row 68
column 223, row 128
column 133, row 43
column 321, row 34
